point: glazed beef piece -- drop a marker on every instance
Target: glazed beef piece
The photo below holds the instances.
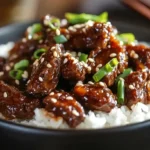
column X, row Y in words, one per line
column 72, row 69
column 13, row 104
column 99, row 57
column 88, row 36
column 83, row 37
column 95, row 96
column 135, row 88
column 23, row 50
column 139, row 56
column 65, row 105
column 45, row 73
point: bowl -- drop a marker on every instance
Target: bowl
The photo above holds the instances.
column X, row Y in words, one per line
column 16, row 136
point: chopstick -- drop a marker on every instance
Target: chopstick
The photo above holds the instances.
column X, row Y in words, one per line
column 139, row 6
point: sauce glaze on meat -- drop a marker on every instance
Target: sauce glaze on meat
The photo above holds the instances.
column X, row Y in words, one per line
column 43, row 82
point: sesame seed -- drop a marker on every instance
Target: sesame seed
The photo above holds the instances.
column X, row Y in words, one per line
column 55, row 54
column 54, row 100
column 90, row 82
column 107, row 94
column 46, row 22
column 69, row 98
column 41, row 79
column 7, row 68
column 1, row 73
column 72, row 29
column 57, row 32
column 24, row 40
column 131, row 87
column 70, row 107
column 48, row 30
column 59, row 94
column 79, row 53
column 135, row 56
column 49, row 65
column 17, row 82
column 99, row 65
column 75, row 112
column 75, row 61
column 97, row 69
column 90, row 23
column 5, row 94
column 25, row 74
column 109, row 46
column 40, row 41
column 65, row 60
column 64, row 113
column 102, row 84
column 28, row 81
column 84, row 30
column 68, row 37
column 89, row 69
column 73, row 54
column 79, row 83
column 112, row 55
column 52, row 93
column 42, row 60
column 53, row 48
column 91, row 60
column 11, row 64
column 36, row 63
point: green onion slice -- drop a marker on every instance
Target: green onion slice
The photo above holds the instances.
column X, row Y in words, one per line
column 37, row 27
column 38, row 53
column 125, row 73
column 99, row 75
column 105, row 70
column 126, row 38
column 120, row 91
column 54, row 23
column 60, row 39
column 16, row 74
column 21, row 65
column 82, row 18
column 83, row 57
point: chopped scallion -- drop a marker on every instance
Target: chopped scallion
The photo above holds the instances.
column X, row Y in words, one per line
column 111, row 64
column 99, row 75
column 126, row 38
column 83, row 57
column 38, row 53
column 21, row 64
column 54, row 23
column 82, row 18
column 125, row 73
column 120, row 91
column 37, row 27
column 33, row 30
column 105, row 70
column 60, row 39
column 16, row 74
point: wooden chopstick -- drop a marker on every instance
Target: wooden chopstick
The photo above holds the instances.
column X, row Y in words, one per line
column 139, row 6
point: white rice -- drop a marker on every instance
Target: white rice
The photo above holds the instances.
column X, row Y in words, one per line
column 94, row 119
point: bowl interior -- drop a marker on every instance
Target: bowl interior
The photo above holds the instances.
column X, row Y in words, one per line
column 15, row 31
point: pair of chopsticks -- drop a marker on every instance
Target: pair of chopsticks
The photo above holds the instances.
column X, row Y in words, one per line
column 142, row 6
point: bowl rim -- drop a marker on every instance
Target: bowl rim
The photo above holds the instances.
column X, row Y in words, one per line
column 47, row 131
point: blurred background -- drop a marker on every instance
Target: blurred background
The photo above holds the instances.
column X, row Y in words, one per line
column 12, row 11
